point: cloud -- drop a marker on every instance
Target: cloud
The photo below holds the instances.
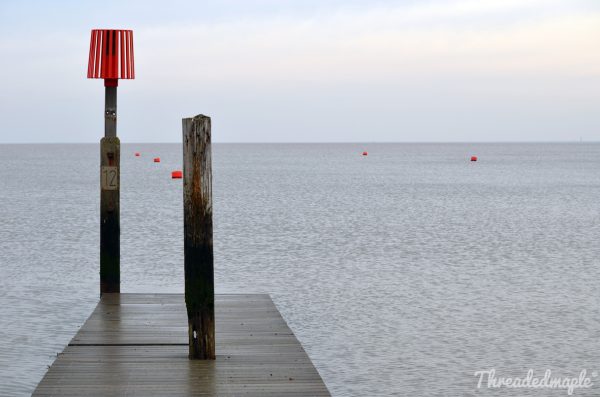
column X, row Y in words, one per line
column 380, row 44
column 419, row 67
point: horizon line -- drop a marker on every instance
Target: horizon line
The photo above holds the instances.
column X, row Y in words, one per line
column 304, row 143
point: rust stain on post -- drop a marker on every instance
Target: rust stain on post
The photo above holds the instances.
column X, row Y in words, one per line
column 198, row 236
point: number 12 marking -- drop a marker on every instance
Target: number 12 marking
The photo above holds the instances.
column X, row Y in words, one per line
column 109, row 178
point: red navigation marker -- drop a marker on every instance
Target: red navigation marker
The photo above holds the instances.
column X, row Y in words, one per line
column 111, row 56
column 111, row 59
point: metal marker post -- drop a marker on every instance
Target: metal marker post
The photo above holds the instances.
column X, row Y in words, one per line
column 110, row 111
column 111, row 58
column 110, row 223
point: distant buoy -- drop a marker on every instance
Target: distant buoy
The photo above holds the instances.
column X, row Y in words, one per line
column 137, row 154
column 157, row 159
column 473, row 158
column 176, row 174
column 365, row 154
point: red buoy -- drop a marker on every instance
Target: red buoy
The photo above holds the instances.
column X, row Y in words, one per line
column 365, row 154
column 137, row 154
column 473, row 158
column 176, row 174
column 157, row 159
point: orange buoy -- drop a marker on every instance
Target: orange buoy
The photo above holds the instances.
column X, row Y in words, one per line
column 473, row 158
column 176, row 174
column 137, row 154
column 157, row 159
column 365, row 154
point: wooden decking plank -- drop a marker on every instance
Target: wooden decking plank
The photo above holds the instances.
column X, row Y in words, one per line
column 136, row 345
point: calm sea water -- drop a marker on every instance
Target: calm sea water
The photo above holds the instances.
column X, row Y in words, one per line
column 402, row 273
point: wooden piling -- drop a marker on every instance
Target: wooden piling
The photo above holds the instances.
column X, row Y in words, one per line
column 110, row 229
column 198, row 237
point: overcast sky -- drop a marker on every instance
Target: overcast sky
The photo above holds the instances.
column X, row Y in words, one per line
column 308, row 70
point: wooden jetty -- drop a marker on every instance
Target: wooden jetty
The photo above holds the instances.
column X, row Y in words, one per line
column 192, row 344
column 137, row 345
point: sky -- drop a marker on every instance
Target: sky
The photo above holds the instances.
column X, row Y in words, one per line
column 308, row 70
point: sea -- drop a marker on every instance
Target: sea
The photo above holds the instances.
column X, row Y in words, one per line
column 411, row 271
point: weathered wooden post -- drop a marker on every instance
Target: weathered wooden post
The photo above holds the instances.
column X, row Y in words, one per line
column 111, row 59
column 198, row 237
